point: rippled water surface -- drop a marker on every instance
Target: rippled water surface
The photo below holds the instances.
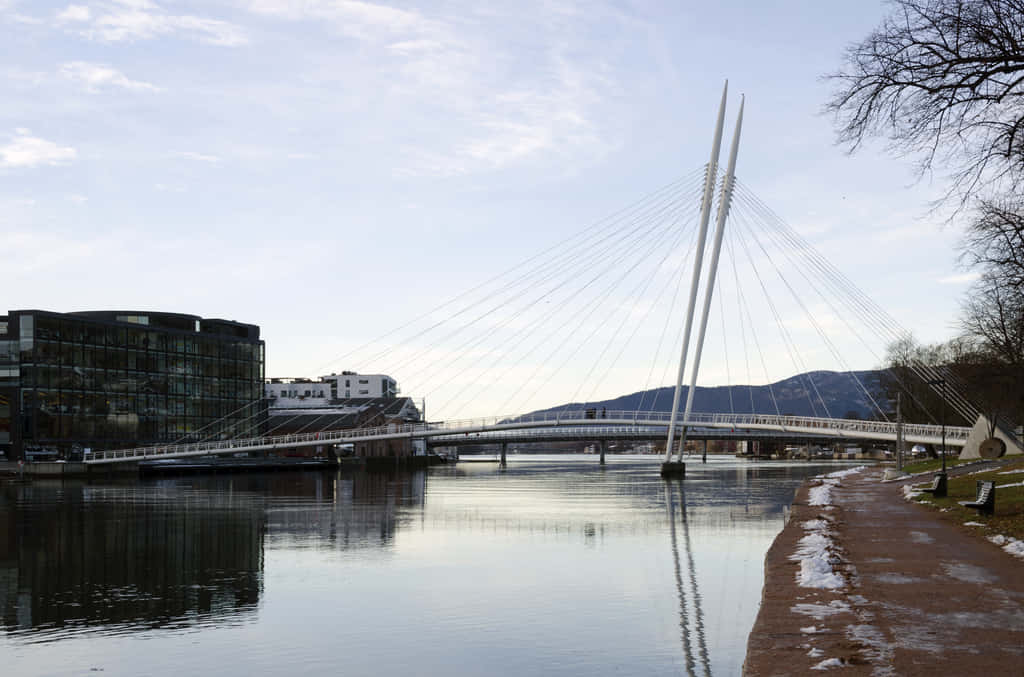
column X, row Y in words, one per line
column 552, row 566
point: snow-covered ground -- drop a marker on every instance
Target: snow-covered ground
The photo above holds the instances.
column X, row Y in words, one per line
column 816, row 552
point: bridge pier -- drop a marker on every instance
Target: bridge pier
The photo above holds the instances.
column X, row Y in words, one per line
column 704, row 456
column 602, row 444
column 673, row 469
column 504, row 450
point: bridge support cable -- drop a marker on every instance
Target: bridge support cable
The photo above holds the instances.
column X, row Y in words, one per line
column 784, row 334
column 679, row 275
column 609, row 234
column 608, row 223
column 609, row 258
column 847, row 295
column 641, row 218
column 724, row 202
column 745, row 309
column 830, row 345
column 579, row 343
column 637, row 294
column 787, row 251
column 637, row 323
column 649, row 219
column 869, row 312
column 705, row 215
column 725, row 353
column 643, row 225
column 742, row 325
column 592, row 305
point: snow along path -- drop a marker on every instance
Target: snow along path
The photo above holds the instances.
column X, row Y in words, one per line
column 922, row 596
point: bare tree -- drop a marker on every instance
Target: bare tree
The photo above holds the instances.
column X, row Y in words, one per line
column 993, row 317
column 943, row 80
column 994, row 242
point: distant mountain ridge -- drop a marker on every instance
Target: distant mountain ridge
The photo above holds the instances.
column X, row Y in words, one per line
column 796, row 396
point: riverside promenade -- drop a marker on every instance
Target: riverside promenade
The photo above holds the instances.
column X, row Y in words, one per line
column 897, row 590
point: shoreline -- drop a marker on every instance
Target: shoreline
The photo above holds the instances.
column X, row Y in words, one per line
column 912, row 593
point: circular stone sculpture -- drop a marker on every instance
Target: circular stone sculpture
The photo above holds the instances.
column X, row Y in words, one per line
column 993, row 447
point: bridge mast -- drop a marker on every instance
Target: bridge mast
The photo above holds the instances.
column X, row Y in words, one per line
column 725, row 199
column 705, row 215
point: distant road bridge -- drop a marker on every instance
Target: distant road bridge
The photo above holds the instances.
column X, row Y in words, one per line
column 553, row 426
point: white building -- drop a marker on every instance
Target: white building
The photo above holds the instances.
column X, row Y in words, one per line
column 350, row 385
column 287, row 393
column 297, row 392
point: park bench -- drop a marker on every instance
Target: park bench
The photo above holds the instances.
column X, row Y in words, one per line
column 938, row 487
column 985, row 502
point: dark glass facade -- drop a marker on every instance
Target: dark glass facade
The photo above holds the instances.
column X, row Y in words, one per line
column 111, row 379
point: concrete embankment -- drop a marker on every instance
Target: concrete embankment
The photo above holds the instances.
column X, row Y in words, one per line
column 911, row 594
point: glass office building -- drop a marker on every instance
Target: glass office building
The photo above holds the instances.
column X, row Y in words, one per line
column 113, row 379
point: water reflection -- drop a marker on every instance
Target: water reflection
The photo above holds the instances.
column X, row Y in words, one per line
column 674, row 492
column 175, row 552
column 125, row 557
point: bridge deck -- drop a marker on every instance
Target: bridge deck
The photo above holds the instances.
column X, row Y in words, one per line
column 555, row 423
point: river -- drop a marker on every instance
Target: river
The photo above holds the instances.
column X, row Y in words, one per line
column 552, row 566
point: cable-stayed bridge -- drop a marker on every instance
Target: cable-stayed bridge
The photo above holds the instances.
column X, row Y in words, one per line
column 544, row 427
column 559, row 324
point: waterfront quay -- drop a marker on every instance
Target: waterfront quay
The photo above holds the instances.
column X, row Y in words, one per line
column 903, row 591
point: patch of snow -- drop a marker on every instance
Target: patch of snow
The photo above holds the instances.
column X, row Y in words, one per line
column 809, row 630
column 1012, row 472
column 1009, row 544
column 815, row 554
column 815, row 525
column 822, row 494
column 968, row 573
column 973, row 524
column 910, row 493
column 1007, row 486
column 828, row 664
column 815, row 653
column 844, row 473
column 820, row 611
column 921, row 537
column 816, row 572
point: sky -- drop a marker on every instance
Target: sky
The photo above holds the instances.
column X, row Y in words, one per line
column 329, row 169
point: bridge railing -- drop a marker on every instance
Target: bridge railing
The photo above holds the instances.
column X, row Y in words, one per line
column 543, row 419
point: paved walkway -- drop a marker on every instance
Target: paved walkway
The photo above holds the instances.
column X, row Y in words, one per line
column 922, row 596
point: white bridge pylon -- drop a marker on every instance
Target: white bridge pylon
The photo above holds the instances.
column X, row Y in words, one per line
column 654, row 422
column 724, row 200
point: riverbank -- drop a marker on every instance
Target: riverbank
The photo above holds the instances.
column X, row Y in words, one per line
column 863, row 580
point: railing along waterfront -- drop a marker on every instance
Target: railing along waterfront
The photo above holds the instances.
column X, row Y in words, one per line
column 881, row 430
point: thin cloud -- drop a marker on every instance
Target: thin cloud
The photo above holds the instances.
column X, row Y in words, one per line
column 198, row 157
column 135, row 20
column 95, row 76
column 458, row 61
column 27, row 151
column 74, row 13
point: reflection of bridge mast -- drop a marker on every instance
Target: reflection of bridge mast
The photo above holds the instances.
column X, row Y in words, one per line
column 684, row 614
